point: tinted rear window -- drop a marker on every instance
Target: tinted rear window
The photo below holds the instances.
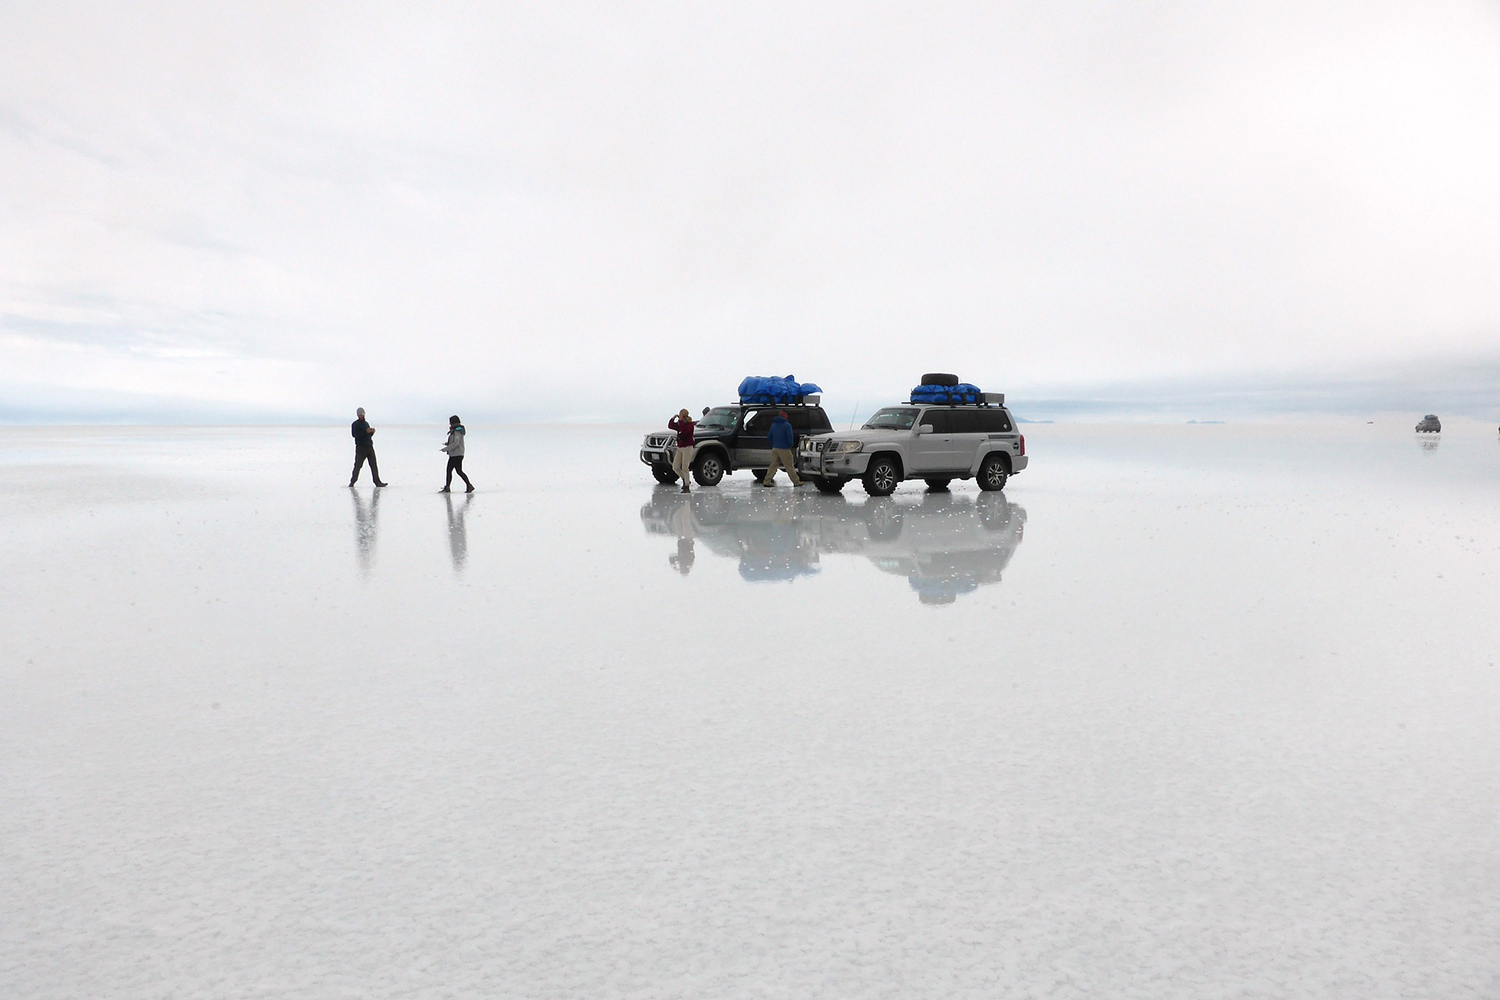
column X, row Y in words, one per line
column 980, row 421
column 941, row 421
column 807, row 421
column 994, row 421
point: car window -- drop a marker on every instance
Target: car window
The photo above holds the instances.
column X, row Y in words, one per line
column 758, row 422
column 994, row 421
column 817, row 422
column 799, row 417
column 966, row 421
column 897, row 418
column 941, row 421
column 720, row 418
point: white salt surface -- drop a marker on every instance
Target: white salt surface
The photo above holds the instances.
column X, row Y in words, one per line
column 1192, row 711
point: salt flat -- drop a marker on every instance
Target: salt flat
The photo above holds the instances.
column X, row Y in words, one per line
column 1191, row 711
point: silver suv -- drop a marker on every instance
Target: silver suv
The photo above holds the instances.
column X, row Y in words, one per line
column 937, row 443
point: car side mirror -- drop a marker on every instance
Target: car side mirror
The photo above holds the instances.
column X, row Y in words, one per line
column 924, row 428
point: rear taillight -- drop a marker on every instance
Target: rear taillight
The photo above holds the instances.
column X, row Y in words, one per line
column 1023, row 443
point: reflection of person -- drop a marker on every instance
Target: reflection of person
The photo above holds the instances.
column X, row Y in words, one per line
column 454, row 446
column 364, row 448
column 458, row 534
column 682, row 460
column 782, row 438
column 365, row 523
column 682, row 559
column 684, row 528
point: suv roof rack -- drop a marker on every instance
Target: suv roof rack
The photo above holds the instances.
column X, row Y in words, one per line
column 985, row 399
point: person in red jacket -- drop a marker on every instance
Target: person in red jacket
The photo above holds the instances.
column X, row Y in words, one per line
column 682, row 461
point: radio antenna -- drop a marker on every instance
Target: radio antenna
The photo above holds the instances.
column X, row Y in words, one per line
column 854, row 414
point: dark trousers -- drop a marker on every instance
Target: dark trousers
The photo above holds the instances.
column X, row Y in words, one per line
column 361, row 456
column 456, row 464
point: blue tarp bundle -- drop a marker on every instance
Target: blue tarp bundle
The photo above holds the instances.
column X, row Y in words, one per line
column 764, row 389
column 949, row 394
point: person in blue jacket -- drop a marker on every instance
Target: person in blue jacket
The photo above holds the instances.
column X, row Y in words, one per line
column 783, row 437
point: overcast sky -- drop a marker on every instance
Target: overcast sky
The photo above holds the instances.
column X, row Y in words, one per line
column 282, row 211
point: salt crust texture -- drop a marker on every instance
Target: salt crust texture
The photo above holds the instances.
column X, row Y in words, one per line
column 1219, row 722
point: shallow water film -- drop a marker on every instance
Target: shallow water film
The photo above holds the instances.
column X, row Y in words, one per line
column 1187, row 711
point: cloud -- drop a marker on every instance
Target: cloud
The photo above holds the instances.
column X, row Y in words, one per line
column 467, row 205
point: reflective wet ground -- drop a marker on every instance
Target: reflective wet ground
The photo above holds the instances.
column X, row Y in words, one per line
column 1187, row 711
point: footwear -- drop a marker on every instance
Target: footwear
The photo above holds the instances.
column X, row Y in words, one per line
column 382, row 484
column 799, row 485
column 767, row 484
column 686, row 490
column 445, row 490
column 351, row 484
column 470, row 489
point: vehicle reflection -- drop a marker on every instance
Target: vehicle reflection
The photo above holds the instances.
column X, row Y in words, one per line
column 946, row 544
column 366, row 520
column 1429, row 443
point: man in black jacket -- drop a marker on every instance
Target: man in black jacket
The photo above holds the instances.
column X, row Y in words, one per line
column 364, row 448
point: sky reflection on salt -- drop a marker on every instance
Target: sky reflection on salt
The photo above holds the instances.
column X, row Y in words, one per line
column 1217, row 700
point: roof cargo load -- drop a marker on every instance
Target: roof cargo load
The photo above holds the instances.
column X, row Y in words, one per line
column 770, row 389
column 961, row 394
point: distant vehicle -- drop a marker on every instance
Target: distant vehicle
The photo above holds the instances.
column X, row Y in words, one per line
column 936, row 442
column 731, row 438
column 1429, row 425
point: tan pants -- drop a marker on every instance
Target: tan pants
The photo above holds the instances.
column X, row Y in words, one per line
column 781, row 458
column 682, row 463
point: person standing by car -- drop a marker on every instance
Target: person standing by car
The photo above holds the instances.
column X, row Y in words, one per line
column 454, row 446
column 364, row 447
column 682, row 459
column 783, row 437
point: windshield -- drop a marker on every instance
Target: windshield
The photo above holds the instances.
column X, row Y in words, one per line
column 720, row 418
column 892, row 418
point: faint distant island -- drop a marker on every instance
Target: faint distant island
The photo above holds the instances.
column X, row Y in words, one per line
column 1023, row 420
column 1205, row 421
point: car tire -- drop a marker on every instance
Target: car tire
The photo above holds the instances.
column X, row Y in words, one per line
column 938, row 485
column 709, row 469
column 882, row 476
column 663, row 473
column 995, row 512
column 883, row 521
column 993, row 472
column 832, row 487
column 939, row 378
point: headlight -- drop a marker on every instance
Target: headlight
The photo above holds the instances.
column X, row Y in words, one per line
column 848, row 447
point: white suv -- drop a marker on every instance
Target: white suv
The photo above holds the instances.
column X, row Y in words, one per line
column 919, row 441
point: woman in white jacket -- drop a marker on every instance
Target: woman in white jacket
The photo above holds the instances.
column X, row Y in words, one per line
column 454, row 446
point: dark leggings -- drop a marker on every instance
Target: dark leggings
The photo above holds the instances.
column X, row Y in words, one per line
column 456, row 464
